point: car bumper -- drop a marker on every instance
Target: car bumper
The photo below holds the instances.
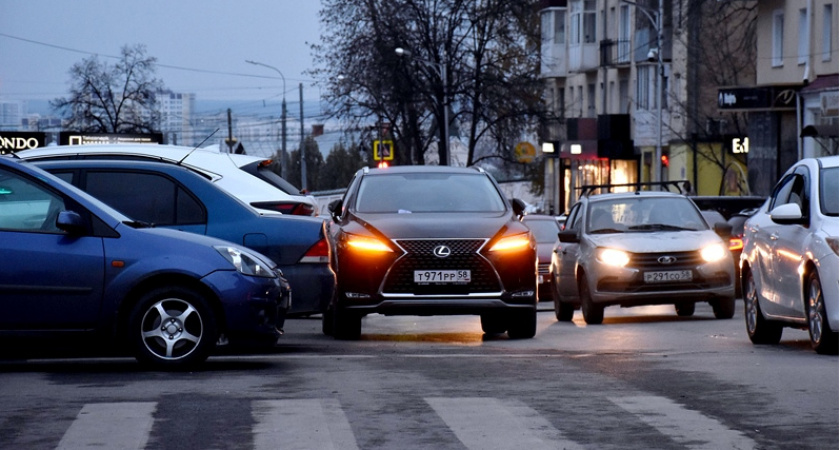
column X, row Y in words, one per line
column 312, row 285
column 626, row 287
column 439, row 305
column 253, row 307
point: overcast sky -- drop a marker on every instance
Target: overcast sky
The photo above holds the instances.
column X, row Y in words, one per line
column 201, row 45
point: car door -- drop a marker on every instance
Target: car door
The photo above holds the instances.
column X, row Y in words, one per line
column 567, row 254
column 49, row 280
column 789, row 240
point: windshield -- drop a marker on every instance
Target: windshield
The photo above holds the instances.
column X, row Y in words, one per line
column 644, row 214
column 428, row 192
column 544, row 230
column 828, row 191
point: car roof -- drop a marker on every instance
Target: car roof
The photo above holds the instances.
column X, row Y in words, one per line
column 118, row 163
column 828, row 161
column 636, row 194
column 422, row 169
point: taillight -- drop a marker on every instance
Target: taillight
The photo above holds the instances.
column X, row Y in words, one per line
column 291, row 208
column 318, row 253
column 736, row 243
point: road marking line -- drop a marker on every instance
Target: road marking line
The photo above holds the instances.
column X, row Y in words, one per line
column 299, row 424
column 489, row 423
column 684, row 426
column 110, row 425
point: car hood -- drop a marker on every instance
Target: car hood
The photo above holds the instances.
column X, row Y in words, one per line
column 659, row 241
column 438, row 225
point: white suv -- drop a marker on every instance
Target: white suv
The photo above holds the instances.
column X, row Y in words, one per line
column 789, row 265
column 248, row 178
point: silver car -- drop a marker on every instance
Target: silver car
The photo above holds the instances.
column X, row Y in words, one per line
column 789, row 265
column 641, row 248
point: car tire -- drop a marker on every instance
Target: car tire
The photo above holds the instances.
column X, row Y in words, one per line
column 564, row 312
column 685, row 309
column 347, row 325
column 172, row 327
column 592, row 314
column 759, row 329
column 523, row 324
column 823, row 340
column 493, row 323
column 724, row 307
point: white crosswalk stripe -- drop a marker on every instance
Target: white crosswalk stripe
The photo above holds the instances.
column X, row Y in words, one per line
column 489, row 423
column 484, row 423
column 301, row 424
column 110, row 425
column 684, row 426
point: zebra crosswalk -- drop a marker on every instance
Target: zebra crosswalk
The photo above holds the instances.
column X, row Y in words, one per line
column 484, row 423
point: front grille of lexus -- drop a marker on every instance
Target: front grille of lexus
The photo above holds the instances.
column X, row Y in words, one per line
column 419, row 256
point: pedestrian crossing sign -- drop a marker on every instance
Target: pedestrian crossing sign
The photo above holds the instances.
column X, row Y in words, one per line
column 383, row 150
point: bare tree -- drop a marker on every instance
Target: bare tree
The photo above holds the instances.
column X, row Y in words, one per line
column 486, row 52
column 113, row 99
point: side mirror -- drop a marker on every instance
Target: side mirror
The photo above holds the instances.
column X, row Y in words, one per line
column 518, row 207
column 568, row 236
column 335, row 209
column 71, row 222
column 787, row 214
column 723, row 230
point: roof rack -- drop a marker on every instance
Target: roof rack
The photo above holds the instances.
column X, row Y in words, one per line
column 589, row 189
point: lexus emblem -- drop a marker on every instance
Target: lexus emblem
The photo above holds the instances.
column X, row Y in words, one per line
column 442, row 251
column 667, row 259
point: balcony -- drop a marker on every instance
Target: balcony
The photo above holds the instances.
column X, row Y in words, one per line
column 615, row 53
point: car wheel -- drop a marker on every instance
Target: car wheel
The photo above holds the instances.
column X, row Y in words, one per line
column 347, row 325
column 823, row 340
column 685, row 309
column 172, row 327
column 724, row 307
column 523, row 324
column 592, row 314
column 562, row 311
column 492, row 323
column 759, row 329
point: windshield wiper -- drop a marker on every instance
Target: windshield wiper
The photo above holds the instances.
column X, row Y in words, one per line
column 606, row 231
column 659, row 227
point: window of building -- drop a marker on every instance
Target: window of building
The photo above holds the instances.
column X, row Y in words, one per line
column 778, row 38
column 560, row 26
column 624, row 34
column 589, row 22
column 545, row 26
column 804, row 33
column 828, row 31
column 643, row 79
column 574, row 23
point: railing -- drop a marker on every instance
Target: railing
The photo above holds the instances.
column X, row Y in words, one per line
column 615, row 52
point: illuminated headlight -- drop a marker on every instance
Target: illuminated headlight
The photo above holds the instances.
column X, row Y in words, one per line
column 367, row 244
column 832, row 243
column 244, row 262
column 511, row 243
column 613, row 257
column 714, row 252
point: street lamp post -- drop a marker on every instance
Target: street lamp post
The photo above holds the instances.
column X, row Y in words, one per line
column 282, row 117
column 655, row 18
column 441, row 68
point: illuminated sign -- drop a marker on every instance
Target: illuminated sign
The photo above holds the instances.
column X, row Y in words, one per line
column 77, row 138
column 13, row 141
column 740, row 145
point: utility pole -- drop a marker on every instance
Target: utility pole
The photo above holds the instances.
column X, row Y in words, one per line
column 302, row 146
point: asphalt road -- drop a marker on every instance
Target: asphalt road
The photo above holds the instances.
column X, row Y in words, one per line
column 644, row 379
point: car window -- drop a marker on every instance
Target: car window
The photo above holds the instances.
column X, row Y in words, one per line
column 147, row 197
column 828, row 191
column 27, row 206
column 573, row 221
column 428, row 192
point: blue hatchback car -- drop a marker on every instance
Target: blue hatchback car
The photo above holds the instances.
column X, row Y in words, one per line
column 72, row 266
column 172, row 196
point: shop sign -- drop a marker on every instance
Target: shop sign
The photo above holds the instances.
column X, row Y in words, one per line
column 769, row 98
column 77, row 138
column 13, row 141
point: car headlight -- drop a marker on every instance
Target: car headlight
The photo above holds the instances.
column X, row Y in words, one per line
column 244, row 262
column 832, row 243
column 714, row 252
column 366, row 244
column 511, row 243
column 613, row 257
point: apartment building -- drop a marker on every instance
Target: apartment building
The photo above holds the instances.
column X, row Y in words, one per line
column 792, row 108
column 631, row 87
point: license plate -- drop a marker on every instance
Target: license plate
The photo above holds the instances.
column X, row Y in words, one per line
column 441, row 276
column 667, row 277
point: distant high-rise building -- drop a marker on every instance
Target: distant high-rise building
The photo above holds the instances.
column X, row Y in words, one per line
column 11, row 114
